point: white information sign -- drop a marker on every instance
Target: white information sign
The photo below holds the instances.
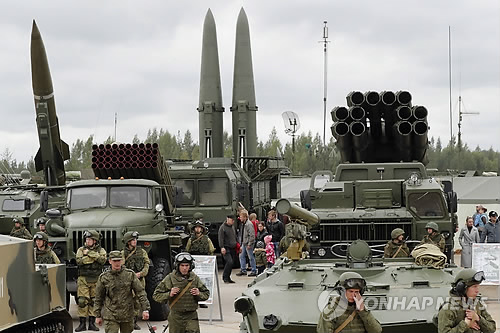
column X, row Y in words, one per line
column 204, row 267
column 486, row 258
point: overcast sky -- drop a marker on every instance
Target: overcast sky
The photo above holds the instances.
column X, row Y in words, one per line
column 141, row 59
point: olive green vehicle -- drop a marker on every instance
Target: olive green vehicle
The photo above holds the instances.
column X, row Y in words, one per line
column 32, row 297
column 347, row 218
column 135, row 194
column 216, row 187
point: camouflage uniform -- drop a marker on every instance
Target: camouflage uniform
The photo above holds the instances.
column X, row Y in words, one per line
column 391, row 248
column 183, row 317
column 114, row 299
column 46, row 256
column 21, row 232
column 451, row 317
column 200, row 244
column 436, row 239
column 338, row 310
column 137, row 260
column 89, row 268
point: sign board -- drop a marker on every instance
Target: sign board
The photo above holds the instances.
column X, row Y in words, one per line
column 204, row 267
column 486, row 258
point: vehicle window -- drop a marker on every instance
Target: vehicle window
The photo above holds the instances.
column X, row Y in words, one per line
column 188, row 189
column 87, row 197
column 213, row 192
column 131, row 197
column 13, row 205
column 426, row 204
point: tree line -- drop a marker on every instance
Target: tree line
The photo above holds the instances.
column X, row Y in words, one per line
column 308, row 154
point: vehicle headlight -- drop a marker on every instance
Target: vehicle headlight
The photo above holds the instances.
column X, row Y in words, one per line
column 446, row 234
column 314, row 238
column 321, row 252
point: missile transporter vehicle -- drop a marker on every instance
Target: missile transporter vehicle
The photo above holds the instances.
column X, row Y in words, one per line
column 216, row 187
column 382, row 182
column 380, row 185
column 132, row 191
column 32, row 297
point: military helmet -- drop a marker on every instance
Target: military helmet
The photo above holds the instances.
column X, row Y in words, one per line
column 16, row 220
column 432, row 225
column 92, row 234
column 197, row 216
column 466, row 278
column 352, row 280
column 41, row 235
column 129, row 236
column 41, row 220
column 183, row 257
column 397, row 232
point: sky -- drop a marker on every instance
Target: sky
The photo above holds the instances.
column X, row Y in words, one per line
column 141, row 60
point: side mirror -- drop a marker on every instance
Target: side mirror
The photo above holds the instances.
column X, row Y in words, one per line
column 452, row 201
column 44, row 201
column 27, row 204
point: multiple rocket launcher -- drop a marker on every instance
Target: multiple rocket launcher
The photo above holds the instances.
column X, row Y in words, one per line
column 243, row 108
column 380, row 127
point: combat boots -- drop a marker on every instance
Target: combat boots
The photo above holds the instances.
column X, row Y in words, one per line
column 136, row 326
column 92, row 326
column 82, row 326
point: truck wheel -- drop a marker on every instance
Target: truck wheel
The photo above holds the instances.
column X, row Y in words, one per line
column 160, row 269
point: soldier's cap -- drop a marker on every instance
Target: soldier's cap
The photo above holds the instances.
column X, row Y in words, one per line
column 493, row 213
column 115, row 255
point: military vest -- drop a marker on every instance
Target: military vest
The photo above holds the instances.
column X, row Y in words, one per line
column 199, row 246
column 44, row 256
column 133, row 259
column 92, row 270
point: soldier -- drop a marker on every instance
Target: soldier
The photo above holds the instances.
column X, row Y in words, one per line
column 346, row 311
column 434, row 237
column 199, row 243
column 41, row 224
column 137, row 260
column 43, row 253
column 465, row 312
column 90, row 259
column 114, row 297
column 183, row 290
column 396, row 247
column 19, row 230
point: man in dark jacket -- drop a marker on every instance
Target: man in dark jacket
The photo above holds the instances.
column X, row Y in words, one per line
column 491, row 232
column 275, row 228
column 227, row 244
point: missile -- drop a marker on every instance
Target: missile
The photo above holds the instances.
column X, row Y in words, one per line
column 243, row 108
column 210, row 109
column 53, row 151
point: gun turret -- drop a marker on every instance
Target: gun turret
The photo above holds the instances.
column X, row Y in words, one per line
column 53, row 151
column 284, row 206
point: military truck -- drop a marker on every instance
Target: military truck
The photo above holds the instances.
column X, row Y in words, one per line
column 382, row 182
column 216, row 187
column 132, row 191
column 32, row 297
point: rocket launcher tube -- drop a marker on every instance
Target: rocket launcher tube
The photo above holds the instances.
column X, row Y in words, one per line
column 359, row 140
column 340, row 113
column 402, row 135
column 419, row 112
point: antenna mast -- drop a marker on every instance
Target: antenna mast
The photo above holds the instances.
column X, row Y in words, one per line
column 116, row 116
column 449, row 75
column 325, row 77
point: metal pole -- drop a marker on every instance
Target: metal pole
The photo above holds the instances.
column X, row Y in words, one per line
column 449, row 74
column 325, row 77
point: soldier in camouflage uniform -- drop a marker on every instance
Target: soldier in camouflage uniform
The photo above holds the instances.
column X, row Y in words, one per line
column 346, row 311
column 114, row 297
column 182, row 289
column 41, row 224
column 90, row 259
column 396, row 247
column 136, row 259
column 434, row 237
column 199, row 243
column 465, row 312
column 43, row 253
column 19, row 230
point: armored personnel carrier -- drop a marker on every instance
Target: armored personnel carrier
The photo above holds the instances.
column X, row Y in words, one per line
column 32, row 297
column 380, row 185
column 382, row 182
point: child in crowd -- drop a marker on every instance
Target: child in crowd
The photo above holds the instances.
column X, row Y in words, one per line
column 260, row 256
column 270, row 254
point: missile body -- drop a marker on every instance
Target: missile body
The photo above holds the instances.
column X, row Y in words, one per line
column 243, row 108
column 53, row 151
column 210, row 109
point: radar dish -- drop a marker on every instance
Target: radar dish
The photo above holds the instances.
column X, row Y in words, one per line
column 292, row 123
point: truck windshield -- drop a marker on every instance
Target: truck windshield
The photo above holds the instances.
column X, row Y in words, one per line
column 426, row 204
column 187, row 186
column 131, row 197
column 87, row 197
column 213, row 192
column 13, row 205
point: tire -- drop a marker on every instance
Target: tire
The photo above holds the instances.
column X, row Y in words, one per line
column 160, row 269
